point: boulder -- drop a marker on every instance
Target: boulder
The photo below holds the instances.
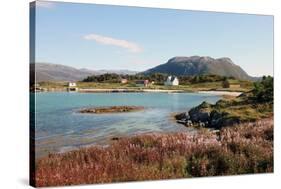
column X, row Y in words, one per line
column 181, row 116
column 230, row 121
column 189, row 123
column 200, row 113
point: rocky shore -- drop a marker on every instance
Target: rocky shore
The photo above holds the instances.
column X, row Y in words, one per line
column 225, row 113
column 205, row 115
column 111, row 109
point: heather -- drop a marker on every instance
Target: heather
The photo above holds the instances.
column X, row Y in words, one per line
column 242, row 149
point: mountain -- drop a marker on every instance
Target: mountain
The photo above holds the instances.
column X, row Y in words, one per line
column 121, row 72
column 58, row 72
column 197, row 65
column 194, row 65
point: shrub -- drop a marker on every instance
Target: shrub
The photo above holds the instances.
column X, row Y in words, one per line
column 241, row 149
column 263, row 90
column 225, row 84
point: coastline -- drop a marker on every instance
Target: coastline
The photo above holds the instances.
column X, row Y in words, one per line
column 143, row 90
column 228, row 93
column 138, row 156
column 130, row 90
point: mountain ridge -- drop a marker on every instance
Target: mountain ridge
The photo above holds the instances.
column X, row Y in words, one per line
column 178, row 66
column 200, row 65
column 58, row 72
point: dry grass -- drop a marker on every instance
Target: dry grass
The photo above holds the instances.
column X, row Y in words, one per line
column 241, row 149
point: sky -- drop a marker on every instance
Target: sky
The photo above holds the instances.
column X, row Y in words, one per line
column 119, row 37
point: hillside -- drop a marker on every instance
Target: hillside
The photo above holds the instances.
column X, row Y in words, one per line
column 179, row 66
column 196, row 65
column 58, row 72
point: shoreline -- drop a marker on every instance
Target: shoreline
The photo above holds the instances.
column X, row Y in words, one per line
column 124, row 90
column 228, row 93
column 130, row 90
column 141, row 154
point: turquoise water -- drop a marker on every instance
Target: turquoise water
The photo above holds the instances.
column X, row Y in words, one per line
column 60, row 127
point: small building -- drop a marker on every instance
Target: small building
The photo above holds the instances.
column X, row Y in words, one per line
column 171, row 81
column 36, row 88
column 72, row 87
column 72, row 84
column 142, row 83
column 124, row 81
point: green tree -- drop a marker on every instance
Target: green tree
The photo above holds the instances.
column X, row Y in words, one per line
column 263, row 90
column 225, row 83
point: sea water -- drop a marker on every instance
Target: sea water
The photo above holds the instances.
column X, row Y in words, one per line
column 60, row 127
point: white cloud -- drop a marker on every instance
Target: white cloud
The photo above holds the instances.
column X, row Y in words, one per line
column 45, row 4
column 130, row 46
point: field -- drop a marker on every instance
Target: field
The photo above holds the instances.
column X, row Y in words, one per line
column 244, row 86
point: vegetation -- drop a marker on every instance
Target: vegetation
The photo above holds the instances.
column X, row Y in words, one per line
column 111, row 109
column 225, row 83
column 243, row 149
column 263, row 91
column 187, row 83
column 250, row 106
column 158, row 78
column 54, row 85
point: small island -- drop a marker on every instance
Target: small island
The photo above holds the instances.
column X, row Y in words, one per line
column 111, row 109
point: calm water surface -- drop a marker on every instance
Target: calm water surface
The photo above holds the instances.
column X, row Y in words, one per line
column 59, row 126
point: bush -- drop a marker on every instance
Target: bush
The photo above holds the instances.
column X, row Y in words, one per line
column 225, row 83
column 263, row 90
column 245, row 148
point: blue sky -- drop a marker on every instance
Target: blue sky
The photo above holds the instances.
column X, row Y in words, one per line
column 114, row 37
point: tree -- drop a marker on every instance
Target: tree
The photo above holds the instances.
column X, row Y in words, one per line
column 263, row 90
column 225, row 83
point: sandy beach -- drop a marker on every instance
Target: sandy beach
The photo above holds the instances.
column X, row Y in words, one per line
column 230, row 93
column 129, row 90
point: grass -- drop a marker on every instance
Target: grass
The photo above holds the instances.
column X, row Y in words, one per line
column 53, row 85
column 243, row 149
column 245, row 86
column 230, row 110
column 244, row 109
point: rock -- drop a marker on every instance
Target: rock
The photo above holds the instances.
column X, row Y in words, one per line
column 111, row 109
column 115, row 138
column 216, row 118
column 205, row 115
column 189, row 123
column 181, row 122
column 181, row 116
column 200, row 113
column 230, row 121
column 201, row 124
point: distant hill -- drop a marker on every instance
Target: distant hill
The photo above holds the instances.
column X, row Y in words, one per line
column 58, row 72
column 179, row 66
column 197, row 65
column 121, row 72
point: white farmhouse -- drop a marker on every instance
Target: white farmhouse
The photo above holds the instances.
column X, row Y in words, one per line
column 72, row 87
column 171, row 80
column 70, row 84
